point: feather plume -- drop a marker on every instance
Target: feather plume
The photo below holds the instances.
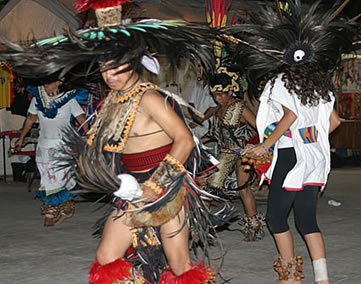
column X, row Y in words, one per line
column 262, row 47
column 78, row 52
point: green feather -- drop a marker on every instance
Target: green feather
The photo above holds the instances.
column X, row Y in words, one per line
column 137, row 28
column 52, row 40
column 125, row 32
column 93, row 35
column 100, row 35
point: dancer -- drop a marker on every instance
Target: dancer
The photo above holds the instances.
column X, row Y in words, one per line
column 53, row 109
column 202, row 101
column 231, row 128
column 152, row 147
column 138, row 135
column 294, row 57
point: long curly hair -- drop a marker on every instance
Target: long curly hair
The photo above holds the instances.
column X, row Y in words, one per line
column 309, row 82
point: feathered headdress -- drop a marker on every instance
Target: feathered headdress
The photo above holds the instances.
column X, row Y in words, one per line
column 108, row 12
column 291, row 36
column 225, row 78
column 79, row 52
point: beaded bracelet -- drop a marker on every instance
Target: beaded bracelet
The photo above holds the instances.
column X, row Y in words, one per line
column 264, row 147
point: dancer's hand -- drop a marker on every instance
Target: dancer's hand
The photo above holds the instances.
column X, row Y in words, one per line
column 19, row 144
column 258, row 152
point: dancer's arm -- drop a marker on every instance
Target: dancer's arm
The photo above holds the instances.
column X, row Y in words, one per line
column 284, row 124
column 335, row 121
column 28, row 123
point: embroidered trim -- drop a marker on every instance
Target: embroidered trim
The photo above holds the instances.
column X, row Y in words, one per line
column 308, row 134
column 231, row 151
column 233, row 86
column 154, row 186
column 174, row 161
column 120, row 117
column 233, row 116
column 270, row 128
column 268, row 131
column 121, row 98
column 50, row 109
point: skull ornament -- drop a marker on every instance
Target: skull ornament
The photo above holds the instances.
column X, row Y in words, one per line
column 298, row 55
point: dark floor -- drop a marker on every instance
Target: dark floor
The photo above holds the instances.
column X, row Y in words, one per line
column 32, row 254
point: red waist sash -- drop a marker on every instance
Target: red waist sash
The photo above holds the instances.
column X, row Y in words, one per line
column 145, row 160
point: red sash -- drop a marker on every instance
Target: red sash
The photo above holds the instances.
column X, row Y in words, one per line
column 145, row 160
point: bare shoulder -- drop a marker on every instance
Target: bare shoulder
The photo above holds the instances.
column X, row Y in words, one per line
column 152, row 99
column 151, row 95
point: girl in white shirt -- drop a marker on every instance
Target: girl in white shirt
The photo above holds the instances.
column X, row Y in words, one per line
column 303, row 107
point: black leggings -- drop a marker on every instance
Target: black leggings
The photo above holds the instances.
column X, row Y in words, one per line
column 280, row 201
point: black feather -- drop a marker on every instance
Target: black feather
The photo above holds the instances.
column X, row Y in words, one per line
column 263, row 45
column 123, row 44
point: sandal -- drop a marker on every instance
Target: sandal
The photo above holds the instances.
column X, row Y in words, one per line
column 66, row 212
column 51, row 213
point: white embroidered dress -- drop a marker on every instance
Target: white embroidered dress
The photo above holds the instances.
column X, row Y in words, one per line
column 53, row 180
column 313, row 159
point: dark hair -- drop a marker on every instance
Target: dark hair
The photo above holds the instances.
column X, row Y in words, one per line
column 220, row 79
column 308, row 82
column 134, row 64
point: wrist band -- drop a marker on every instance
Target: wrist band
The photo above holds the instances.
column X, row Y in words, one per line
column 264, row 147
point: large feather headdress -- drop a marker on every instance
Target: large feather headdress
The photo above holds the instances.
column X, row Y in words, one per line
column 226, row 76
column 291, row 36
column 79, row 52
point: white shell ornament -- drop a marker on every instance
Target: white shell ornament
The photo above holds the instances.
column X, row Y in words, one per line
column 151, row 64
column 129, row 188
column 298, row 55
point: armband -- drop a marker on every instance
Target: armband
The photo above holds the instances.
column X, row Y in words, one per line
column 164, row 178
column 165, row 174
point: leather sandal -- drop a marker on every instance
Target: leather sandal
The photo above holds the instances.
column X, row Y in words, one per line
column 66, row 212
column 51, row 213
